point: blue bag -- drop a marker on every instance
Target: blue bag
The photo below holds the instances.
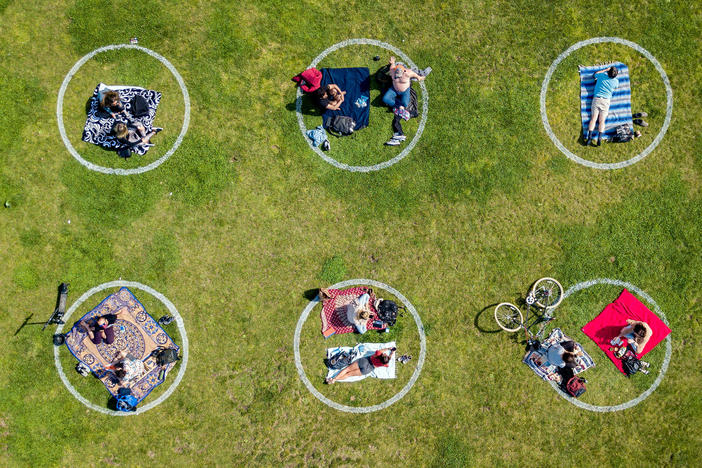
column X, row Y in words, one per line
column 125, row 400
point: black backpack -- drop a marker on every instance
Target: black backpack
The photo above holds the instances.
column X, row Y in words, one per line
column 631, row 364
column 139, row 107
column 341, row 125
column 165, row 356
column 341, row 359
column 387, row 312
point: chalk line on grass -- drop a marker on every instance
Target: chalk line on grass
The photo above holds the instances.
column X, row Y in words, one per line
column 181, row 329
column 118, row 171
column 664, row 365
column 668, row 111
column 420, row 128
column 397, row 396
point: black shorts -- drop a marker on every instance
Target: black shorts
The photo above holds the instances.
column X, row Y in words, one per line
column 365, row 366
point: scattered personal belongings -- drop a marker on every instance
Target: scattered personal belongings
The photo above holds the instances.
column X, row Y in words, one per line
column 623, row 315
column 103, row 115
column 135, row 336
column 309, row 80
column 318, row 135
column 370, row 360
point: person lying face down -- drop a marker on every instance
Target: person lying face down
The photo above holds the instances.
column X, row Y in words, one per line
column 331, row 97
column 364, row 366
column 111, row 104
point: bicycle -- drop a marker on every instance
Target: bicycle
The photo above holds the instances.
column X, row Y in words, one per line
column 546, row 294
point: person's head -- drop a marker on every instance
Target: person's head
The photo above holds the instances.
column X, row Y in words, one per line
column 102, row 322
column 110, row 98
column 612, row 72
column 332, row 92
column 384, row 358
column 120, row 373
column 569, row 358
column 639, row 332
column 120, row 130
column 364, row 314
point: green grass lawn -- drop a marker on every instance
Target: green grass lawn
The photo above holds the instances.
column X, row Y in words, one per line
column 244, row 219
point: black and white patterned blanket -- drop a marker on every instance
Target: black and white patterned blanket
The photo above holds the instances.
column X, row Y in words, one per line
column 98, row 125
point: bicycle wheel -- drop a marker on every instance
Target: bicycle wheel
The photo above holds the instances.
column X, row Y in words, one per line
column 508, row 317
column 547, row 292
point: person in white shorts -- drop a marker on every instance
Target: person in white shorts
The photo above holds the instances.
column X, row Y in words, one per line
column 606, row 83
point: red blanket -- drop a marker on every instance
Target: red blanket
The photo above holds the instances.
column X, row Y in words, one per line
column 613, row 318
column 333, row 313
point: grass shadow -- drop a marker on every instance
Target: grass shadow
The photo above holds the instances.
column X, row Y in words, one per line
column 308, row 105
column 483, row 328
column 311, row 294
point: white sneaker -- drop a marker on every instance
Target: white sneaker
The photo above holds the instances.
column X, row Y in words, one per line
column 393, row 142
column 399, row 137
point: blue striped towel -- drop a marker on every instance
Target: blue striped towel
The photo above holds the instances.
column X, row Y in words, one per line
column 620, row 106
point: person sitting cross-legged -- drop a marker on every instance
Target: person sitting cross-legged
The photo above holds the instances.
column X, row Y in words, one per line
column 101, row 329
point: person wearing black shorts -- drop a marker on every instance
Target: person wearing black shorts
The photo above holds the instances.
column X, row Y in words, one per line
column 365, row 365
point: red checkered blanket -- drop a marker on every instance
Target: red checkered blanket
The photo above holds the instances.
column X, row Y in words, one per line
column 333, row 314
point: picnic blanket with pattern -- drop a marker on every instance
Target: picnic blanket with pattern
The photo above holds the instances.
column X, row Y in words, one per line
column 620, row 105
column 365, row 350
column 612, row 319
column 333, row 312
column 547, row 371
column 98, row 124
column 135, row 332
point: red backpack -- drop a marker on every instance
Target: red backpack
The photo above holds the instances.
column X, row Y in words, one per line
column 576, row 386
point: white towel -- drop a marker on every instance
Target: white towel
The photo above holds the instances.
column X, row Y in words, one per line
column 365, row 350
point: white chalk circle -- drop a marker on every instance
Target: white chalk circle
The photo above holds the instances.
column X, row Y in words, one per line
column 422, row 122
column 111, row 170
column 666, row 359
column 668, row 111
column 181, row 329
column 397, row 396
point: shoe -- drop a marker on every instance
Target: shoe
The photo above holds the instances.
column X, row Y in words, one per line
column 641, row 122
column 599, row 141
column 393, row 142
column 157, row 129
column 638, row 115
column 147, row 145
column 325, row 145
column 587, row 138
column 399, row 136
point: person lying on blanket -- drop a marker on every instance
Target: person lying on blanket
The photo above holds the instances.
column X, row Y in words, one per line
column 398, row 95
column 607, row 82
column 134, row 133
column 638, row 333
column 358, row 312
column 364, row 366
column 101, row 329
column 111, row 104
column 331, row 97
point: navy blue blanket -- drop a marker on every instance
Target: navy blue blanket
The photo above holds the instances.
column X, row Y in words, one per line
column 356, row 83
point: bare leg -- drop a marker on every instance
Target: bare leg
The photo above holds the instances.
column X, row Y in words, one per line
column 602, row 117
column 349, row 371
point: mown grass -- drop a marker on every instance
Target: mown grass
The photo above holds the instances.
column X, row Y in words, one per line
column 237, row 225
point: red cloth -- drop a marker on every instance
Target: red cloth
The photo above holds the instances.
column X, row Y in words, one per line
column 333, row 315
column 613, row 318
column 309, row 80
column 375, row 360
